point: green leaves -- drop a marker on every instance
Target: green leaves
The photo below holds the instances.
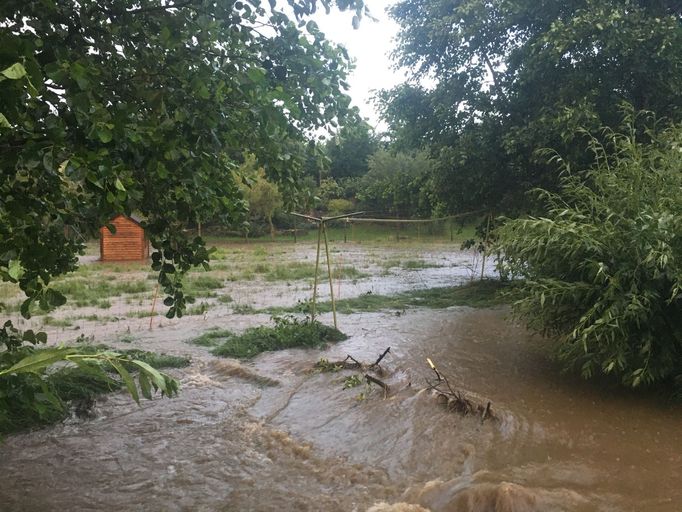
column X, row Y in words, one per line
column 38, row 361
column 14, row 72
column 511, row 77
column 154, row 128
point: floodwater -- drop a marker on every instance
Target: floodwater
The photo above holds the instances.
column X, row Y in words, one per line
column 274, row 435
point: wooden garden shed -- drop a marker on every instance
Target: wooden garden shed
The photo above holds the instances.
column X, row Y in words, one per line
column 129, row 243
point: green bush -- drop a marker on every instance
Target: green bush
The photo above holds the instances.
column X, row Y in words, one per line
column 603, row 268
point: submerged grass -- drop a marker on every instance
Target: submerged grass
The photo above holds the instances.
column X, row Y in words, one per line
column 480, row 294
column 288, row 332
column 418, row 264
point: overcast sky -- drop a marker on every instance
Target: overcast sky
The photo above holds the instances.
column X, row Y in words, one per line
column 370, row 46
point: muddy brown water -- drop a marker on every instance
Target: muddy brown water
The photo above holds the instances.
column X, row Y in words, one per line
column 270, row 435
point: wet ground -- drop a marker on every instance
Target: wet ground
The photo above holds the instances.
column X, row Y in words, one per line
column 272, row 434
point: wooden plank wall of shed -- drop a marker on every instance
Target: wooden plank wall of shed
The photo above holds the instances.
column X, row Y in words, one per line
column 127, row 244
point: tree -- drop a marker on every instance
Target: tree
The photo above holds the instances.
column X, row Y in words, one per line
column 117, row 106
column 603, row 268
column 120, row 106
column 264, row 200
column 398, row 184
column 350, row 149
column 494, row 82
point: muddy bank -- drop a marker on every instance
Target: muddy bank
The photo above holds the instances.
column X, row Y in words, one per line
column 273, row 435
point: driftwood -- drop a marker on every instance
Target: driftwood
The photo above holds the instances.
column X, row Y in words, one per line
column 350, row 363
column 455, row 400
column 374, row 380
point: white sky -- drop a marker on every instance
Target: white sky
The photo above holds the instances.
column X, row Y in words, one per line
column 370, row 46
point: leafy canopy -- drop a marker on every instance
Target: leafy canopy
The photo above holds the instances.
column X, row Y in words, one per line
column 397, row 184
column 603, row 268
column 146, row 106
column 350, row 149
column 494, row 81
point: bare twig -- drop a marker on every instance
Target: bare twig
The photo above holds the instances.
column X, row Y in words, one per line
column 355, row 361
column 376, row 363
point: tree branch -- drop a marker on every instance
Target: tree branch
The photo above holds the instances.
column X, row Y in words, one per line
column 496, row 83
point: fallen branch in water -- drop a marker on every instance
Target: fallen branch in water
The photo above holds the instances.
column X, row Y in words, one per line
column 350, row 363
column 455, row 400
column 374, row 380
column 376, row 363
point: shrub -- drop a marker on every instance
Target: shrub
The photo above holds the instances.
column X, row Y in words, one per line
column 603, row 268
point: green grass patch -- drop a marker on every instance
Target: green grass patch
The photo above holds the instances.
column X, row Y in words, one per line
column 92, row 291
column 57, row 322
column 201, row 284
column 141, row 313
column 391, row 263
column 225, row 299
column 418, row 264
column 349, row 272
column 198, row 309
column 243, row 309
column 438, row 232
column 288, row 332
column 262, row 268
column 156, row 359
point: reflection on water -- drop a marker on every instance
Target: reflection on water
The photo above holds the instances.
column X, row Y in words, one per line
column 274, row 435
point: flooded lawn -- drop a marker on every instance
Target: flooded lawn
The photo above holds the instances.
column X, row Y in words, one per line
column 274, row 434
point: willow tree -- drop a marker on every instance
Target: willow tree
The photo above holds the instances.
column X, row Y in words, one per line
column 602, row 267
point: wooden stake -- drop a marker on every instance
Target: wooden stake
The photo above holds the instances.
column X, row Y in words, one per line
column 317, row 267
column 151, row 317
column 485, row 245
column 329, row 271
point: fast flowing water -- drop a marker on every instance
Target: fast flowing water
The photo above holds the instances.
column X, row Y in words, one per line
column 272, row 435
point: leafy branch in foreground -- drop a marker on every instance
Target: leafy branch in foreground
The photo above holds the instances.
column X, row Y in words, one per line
column 603, row 268
column 35, row 384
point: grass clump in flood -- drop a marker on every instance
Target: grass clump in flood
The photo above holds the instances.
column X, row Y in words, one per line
column 212, row 338
column 290, row 272
column 288, row 332
column 155, row 359
column 91, row 292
